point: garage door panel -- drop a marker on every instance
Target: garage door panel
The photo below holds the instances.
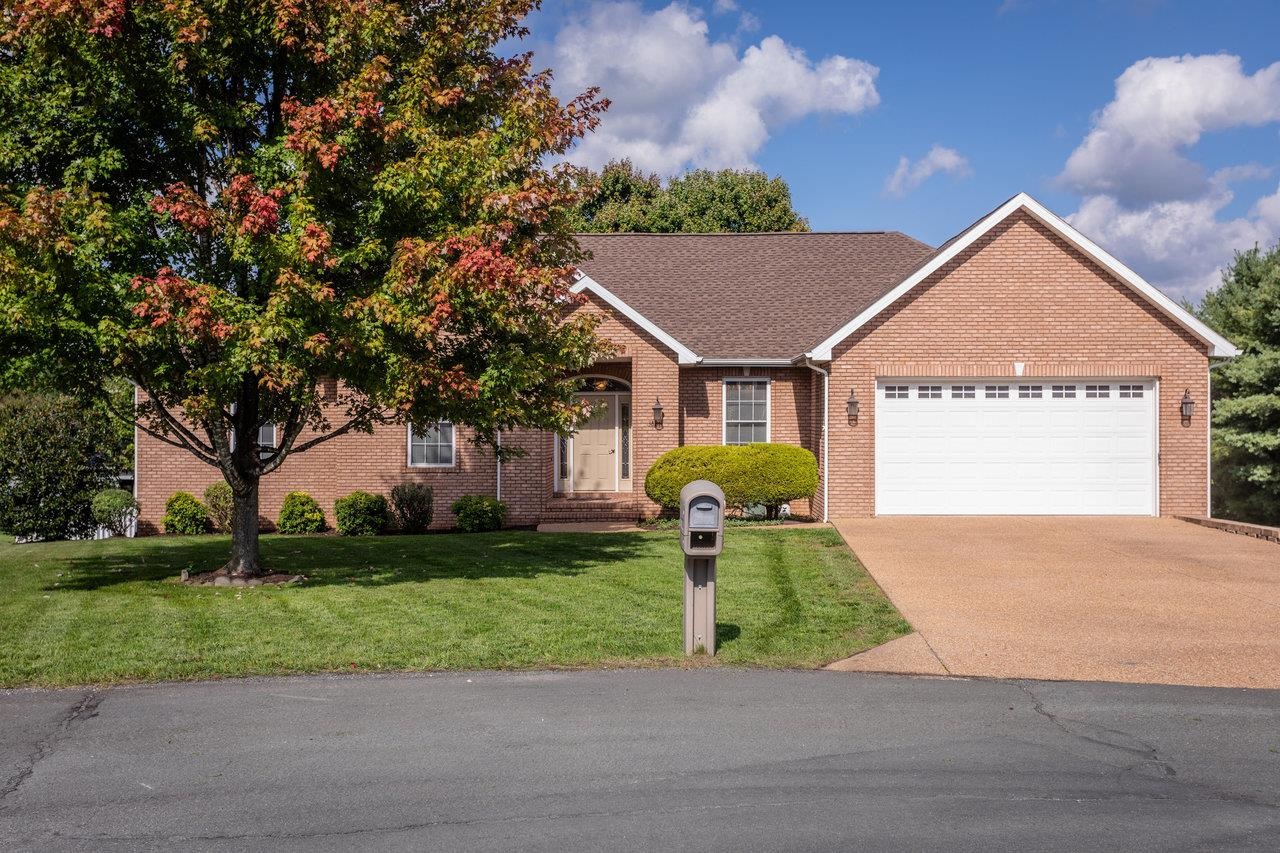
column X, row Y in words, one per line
column 1068, row 454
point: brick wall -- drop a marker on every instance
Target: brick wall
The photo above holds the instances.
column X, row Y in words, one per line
column 374, row 463
column 1022, row 294
column 378, row 462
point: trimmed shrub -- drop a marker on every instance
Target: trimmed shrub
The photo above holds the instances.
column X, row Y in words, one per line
column 55, row 455
column 115, row 509
column 412, row 505
column 479, row 513
column 750, row 475
column 676, row 468
column 299, row 513
column 221, row 505
column 184, row 515
column 361, row 514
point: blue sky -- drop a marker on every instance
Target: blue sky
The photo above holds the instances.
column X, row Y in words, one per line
column 1154, row 126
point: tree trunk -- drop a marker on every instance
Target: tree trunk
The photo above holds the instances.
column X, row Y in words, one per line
column 244, row 562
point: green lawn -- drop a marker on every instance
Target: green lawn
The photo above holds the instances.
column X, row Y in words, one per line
column 100, row 612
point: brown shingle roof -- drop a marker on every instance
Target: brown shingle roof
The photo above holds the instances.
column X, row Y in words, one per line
column 750, row 295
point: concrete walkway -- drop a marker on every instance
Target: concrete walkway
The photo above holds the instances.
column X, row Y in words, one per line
column 1141, row 600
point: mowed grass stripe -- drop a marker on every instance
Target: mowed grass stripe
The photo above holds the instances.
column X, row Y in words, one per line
column 104, row 612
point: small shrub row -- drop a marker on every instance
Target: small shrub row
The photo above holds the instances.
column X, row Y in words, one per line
column 185, row 515
column 410, row 510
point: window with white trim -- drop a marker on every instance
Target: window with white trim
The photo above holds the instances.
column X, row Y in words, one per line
column 929, row 392
column 996, row 392
column 897, row 392
column 431, row 446
column 1064, row 392
column 963, row 392
column 1130, row 391
column 1030, row 392
column 746, row 411
column 1097, row 392
column 266, row 440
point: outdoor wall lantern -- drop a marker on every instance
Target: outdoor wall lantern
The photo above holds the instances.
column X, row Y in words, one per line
column 657, row 413
column 852, row 405
column 1188, row 407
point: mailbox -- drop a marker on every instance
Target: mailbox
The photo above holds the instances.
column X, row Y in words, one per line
column 701, row 539
column 702, row 519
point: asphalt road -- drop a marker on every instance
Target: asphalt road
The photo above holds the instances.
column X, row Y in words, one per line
column 626, row 760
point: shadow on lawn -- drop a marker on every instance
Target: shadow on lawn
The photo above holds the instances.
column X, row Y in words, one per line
column 372, row 561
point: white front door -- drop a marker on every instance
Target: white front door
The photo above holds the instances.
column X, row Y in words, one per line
column 595, row 449
column 1015, row 447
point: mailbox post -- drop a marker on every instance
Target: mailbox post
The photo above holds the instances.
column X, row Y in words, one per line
column 701, row 539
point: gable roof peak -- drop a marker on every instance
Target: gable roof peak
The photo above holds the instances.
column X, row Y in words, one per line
column 1218, row 345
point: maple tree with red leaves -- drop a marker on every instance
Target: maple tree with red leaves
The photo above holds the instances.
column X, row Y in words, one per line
column 232, row 204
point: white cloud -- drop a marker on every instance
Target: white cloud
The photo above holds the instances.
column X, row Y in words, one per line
column 723, row 7
column 910, row 175
column 1180, row 246
column 1161, row 107
column 1150, row 204
column 680, row 99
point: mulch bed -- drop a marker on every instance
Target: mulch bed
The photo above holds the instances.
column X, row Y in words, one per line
column 220, row 577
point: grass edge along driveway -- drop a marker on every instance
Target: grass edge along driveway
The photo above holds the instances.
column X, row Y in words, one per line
column 109, row 612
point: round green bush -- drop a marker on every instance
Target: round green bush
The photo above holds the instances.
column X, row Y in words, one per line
column 184, row 515
column 55, row 455
column 750, row 474
column 412, row 505
column 299, row 513
column 115, row 509
column 361, row 514
column 221, row 505
column 479, row 513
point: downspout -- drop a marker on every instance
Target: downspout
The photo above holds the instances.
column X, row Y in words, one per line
column 826, row 439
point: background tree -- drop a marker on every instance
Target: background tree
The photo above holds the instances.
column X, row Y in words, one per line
column 233, row 205
column 700, row 201
column 55, row 456
column 1246, row 390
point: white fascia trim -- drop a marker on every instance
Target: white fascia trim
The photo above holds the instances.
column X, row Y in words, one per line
column 746, row 362
column 1219, row 346
column 684, row 355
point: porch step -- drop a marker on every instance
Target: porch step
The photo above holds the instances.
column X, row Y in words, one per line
column 596, row 508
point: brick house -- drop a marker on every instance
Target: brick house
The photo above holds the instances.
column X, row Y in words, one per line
column 1017, row 369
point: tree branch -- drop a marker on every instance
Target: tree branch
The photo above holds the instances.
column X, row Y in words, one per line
column 159, row 436
column 172, row 421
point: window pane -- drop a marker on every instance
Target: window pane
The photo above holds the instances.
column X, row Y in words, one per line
column 431, row 445
column 746, row 412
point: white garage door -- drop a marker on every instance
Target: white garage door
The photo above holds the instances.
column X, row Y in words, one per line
column 1015, row 447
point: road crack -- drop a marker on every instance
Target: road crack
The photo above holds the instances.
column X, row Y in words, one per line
column 1096, row 734
column 86, row 708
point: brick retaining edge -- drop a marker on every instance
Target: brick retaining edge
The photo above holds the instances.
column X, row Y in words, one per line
column 1257, row 531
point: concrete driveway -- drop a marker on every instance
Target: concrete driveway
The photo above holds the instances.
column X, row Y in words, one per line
column 1150, row 600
